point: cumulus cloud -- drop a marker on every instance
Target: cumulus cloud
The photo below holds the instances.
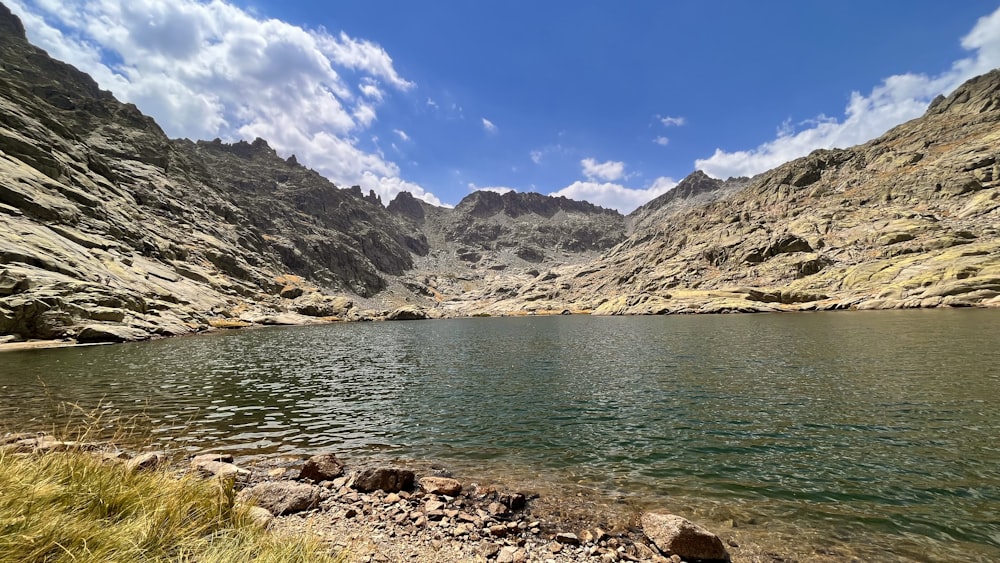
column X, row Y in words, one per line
column 616, row 196
column 608, row 171
column 669, row 121
column 488, row 126
column 210, row 69
column 536, row 157
column 401, row 134
column 661, row 140
column 897, row 99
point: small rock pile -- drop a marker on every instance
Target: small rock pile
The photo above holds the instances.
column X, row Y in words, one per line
column 385, row 513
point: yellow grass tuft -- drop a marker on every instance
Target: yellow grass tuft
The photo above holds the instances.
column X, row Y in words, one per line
column 76, row 506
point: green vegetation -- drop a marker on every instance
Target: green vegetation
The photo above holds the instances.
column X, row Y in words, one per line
column 76, row 506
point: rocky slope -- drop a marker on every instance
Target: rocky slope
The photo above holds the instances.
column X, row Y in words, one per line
column 111, row 231
column 500, row 242
column 907, row 220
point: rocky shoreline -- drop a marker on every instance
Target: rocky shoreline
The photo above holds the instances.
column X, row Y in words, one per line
column 388, row 512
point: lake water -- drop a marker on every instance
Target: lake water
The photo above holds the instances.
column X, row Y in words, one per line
column 867, row 434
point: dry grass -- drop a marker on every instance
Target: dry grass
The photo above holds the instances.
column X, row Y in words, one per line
column 77, row 506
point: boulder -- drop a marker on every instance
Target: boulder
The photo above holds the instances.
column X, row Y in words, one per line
column 407, row 313
column 388, row 479
column 291, row 292
column 322, row 467
column 440, row 486
column 675, row 535
column 145, row 462
column 318, row 305
column 567, row 538
column 282, row 497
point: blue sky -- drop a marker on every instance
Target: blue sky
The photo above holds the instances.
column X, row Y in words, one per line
column 613, row 103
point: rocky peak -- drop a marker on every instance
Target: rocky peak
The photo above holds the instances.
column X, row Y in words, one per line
column 695, row 183
column 977, row 95
column 372, row 197
column 516, row 204
column 11, row 27
column 242, row 149
column 59, row 84
column 696, row 187
column 408, row 206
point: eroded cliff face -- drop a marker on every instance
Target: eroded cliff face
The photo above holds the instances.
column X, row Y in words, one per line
column 111, row 231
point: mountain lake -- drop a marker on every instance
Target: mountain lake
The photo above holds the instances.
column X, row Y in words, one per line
column 871, row 434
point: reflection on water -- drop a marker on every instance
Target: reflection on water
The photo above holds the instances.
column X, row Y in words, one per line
column 878, row 430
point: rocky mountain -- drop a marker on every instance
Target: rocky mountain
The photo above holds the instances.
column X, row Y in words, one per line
column 111, row 231
column 909, row 219
column 696, row 190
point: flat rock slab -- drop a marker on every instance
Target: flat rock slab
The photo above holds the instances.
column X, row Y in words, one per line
column 110, row 333
column 675, row 535
column 440, row 486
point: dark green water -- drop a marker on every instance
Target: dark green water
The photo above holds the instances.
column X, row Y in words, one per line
column 875, row 434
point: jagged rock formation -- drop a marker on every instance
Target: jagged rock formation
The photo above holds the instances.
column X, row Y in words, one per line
column 111, row 231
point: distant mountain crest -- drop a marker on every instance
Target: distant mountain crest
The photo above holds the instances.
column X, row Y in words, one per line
column 514, row 204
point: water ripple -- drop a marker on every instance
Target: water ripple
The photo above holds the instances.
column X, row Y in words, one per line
column 879, row 429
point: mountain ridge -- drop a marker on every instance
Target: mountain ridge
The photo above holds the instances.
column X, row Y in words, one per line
column 114, row 232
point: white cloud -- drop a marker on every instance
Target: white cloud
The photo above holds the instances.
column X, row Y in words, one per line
column 401, row 134
column 488, row 126
column 616, row 196
column 538, row 155
column 369, row 87
column 661, row 140
column 362, row 55
column 897, row 99
column 609, row 171
column 210, row 69
column 669, row 121
column 497, row 189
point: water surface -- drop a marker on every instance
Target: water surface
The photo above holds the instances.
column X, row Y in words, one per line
column 869, row 433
